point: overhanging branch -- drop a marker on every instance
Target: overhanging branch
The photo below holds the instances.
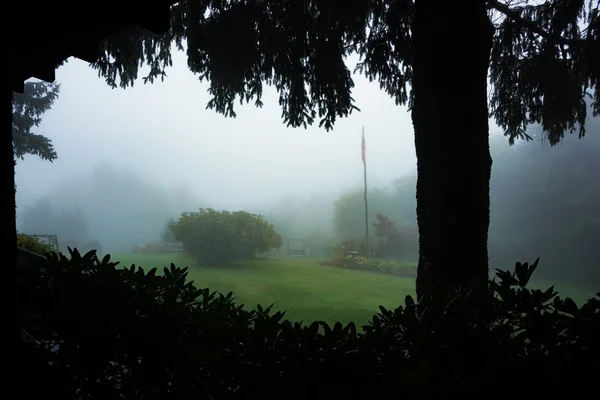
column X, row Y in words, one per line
column 529, row 24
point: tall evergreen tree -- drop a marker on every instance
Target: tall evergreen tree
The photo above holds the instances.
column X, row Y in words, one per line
column 28, row 107
column 542, row 59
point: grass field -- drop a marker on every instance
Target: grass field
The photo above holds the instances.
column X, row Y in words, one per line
column 304, row 288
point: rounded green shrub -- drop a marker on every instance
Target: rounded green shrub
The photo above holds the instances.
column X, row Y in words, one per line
column 220, row 237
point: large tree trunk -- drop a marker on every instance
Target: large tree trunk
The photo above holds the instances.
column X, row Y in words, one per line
column 452, row 43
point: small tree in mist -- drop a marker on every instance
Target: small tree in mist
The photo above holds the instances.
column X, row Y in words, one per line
column 27, row 109
column 221, row 237
column 388, row 240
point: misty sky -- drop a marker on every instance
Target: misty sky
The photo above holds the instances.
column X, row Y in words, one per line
column 163, row 133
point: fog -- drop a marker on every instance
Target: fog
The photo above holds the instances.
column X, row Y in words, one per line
column 163, row 132
column 163, row 135
column 128, row 160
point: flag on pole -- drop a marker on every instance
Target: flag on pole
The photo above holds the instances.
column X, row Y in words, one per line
column 364, row 148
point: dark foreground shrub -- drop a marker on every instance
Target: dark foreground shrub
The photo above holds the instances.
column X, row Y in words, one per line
column 93, row 330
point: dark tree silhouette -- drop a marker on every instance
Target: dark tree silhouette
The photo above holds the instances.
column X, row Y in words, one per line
column 540, row 60
column 28, row 107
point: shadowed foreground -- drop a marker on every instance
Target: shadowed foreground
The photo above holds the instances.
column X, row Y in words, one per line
column 93, row 329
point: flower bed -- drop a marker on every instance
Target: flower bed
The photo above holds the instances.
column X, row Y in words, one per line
column 360, row 263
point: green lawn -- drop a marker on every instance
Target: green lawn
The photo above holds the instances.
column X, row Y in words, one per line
column 306, row 290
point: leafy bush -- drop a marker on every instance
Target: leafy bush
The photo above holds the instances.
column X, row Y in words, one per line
column 34, row 244
column 220, row 237
column 111, row 332
column 361, row 263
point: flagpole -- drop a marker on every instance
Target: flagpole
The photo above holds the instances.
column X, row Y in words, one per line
column 364, row 160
